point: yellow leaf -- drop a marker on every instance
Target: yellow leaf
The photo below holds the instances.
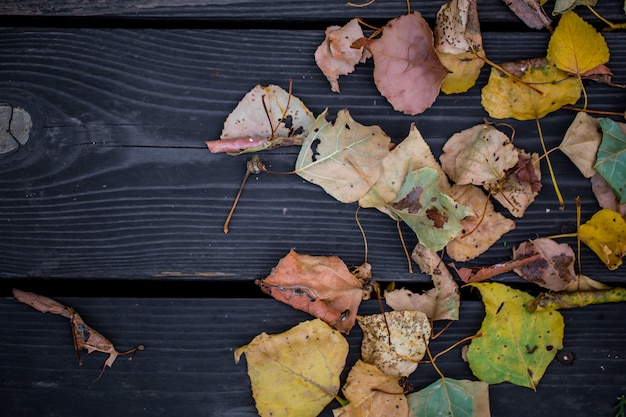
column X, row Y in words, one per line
column 503, row 97
column 575, row 46
column 464, row 70
column 295, row 373
column 605, row 234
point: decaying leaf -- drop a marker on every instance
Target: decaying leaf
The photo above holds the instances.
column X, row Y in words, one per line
column 503, row 97
column 581, row 143
column 479, row 274
column 319, row 285
column 515, row 345
column 407, row 71
column 605, row 195
column 564, row 300
column 458, row 43
column 481, row 229
column 372, row 394
column 605, row 234
column 345, row 159
column 335, row 56
column 554, row 270
column 295, row 373
column 575, row 46
column 530, row 12
column 85, row 337
column 564, row 6
column 451, row 398
column 264, row 118
column 611, row 159
column 432, row 215
column 522, row 184
column 396, row 341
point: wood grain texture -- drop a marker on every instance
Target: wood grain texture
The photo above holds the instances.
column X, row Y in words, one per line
column 187, row 367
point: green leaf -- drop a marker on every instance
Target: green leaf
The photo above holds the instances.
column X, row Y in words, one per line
column 515, row 345
column 432, row 215
column 611, row 159
column 451, row 398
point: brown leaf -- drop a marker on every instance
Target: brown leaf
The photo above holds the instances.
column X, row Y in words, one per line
column 522, row 184
column 581, row 142
column 555, row 269
column 41, row 303
column 605, row 195
column 319, row 285
column 530, row 12
column 407, row 70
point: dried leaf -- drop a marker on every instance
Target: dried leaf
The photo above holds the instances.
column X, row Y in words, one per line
column 479, row 274
column 372, row 394
column 451, row 398
column 345, row 159
column 605, row 234
column 611, row 158
column 555, row 268
column 335, row 56
column 563, row 300
column 41, row 303
column 581, row 143
column 605, row 195
column 522, row 184
column 575, row 46
column 407, row 71
column 564, row 6
column 481, row 229
column 319, row 285
column 515, row 345
column 503, row 97
column 530, row 12
column 396, row 341
column 295, row 373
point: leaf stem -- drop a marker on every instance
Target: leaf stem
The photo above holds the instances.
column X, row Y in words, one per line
column 611, row 25
column 552, row 176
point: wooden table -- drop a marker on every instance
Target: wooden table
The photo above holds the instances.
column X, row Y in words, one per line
column 115, row 206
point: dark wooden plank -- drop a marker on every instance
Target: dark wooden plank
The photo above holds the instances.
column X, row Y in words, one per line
column 187, row 366
column 115, row 181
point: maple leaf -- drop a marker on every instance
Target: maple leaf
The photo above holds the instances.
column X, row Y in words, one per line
column 581, row 143
column 372, row 394
column 395, row 341
column 504, row 97
column 515, row 345
column 407, row 71
column 575, row 46
column 605, row 234
column 319, row 285
column 335, row 56
column 555, row 267
column 295, row 373
column 530, row 12
column 345, row 159
column 451, row 398
column 611, row 158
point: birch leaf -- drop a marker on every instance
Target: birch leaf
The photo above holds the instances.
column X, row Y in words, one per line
column 611, row 159
column 605, row 234
column 345, row 159
column 581, row 143
column 295, row 373
column 451, row 398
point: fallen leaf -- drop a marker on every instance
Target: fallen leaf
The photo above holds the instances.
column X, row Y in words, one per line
column 515, row 345
column 319, row 285
column 605, row 234
column 451, row 398
column 481, row 229
column 479, row 274
column 564, row 6
column 432, row 215
column 335, row 56
column 565, row 300
column 530, row 12
column 407, row 71
column 372, row 394
column 611, row 158
column 504, row 97
column 555, row 268
column 395, row 341
column 584, row 283
column 581, row 143
column 458, row 43
column 605, row 195
column 575, row 46
column 295, row 373
column 521, row 186
column 345, row 159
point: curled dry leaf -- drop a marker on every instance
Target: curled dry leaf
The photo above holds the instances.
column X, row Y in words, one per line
column 295, row 373
column 319, row 285
column 605, row 234
column 335, row 56
column 407, row 71
column 562, row 300
column 581, row 143
column 554, row 270
column 395, row 341
column 530, row 12
column 372, row 393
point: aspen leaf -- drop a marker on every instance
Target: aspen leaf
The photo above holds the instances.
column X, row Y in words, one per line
column 451, row 398
column 564, row 6
column 605, row 195
column 319, row 285
column 344, row 158
column 575, row 46
column 503, row 97
column 395, row 342
column 605, row 234
column 553, row 270
column 295, row 373
column 521, row 186
column 407, row 71
column 515, row 345
column 372, row 394
column 530, row 12
column 581, row 143
column 611, row 158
